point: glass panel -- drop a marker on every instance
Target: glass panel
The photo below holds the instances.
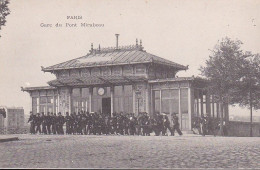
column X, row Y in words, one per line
column 49, row 99
column 166, row 94
column 165, row 106
column 184, row 101
column 157, row 94
column 128, row 90
column 157, row 105
column 118, row 90
column 43, row 100
column 76, row 92
column 85, row 92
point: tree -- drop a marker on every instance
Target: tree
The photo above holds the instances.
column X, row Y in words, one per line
column 4, row 11
column 222, row 69
column 247, row 90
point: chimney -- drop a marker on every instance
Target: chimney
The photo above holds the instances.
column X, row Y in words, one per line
column 117, row 40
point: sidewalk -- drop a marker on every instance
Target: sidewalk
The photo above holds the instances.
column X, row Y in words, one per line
column 7, row 138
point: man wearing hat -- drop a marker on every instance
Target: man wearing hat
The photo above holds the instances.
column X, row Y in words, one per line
column 176, row 125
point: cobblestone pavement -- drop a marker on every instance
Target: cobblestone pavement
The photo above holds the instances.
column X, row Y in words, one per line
column 35, row 151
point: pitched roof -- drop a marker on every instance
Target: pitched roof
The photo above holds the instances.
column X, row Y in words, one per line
column 132, row 54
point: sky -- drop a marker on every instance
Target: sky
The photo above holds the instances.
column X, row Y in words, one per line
column 182, row 31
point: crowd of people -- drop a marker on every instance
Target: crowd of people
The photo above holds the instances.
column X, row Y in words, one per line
column 96, row 123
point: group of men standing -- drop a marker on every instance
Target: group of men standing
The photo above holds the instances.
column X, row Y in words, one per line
column 46, row 124
column 97, row 123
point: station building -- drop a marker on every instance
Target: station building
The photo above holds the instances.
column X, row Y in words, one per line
column 124, row 79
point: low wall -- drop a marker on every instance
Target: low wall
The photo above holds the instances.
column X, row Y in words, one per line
column 242, row 129
column 22, row 130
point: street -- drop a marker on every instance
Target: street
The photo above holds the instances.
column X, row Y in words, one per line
column 76, row 151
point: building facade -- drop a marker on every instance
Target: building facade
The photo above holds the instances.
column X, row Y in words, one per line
column 123, row 79
column 14, row 121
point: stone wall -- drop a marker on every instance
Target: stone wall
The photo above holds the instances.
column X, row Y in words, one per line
column 243, row 129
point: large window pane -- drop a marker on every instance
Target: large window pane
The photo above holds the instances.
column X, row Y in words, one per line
column 184, row 101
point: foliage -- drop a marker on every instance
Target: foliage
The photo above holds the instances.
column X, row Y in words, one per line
column 4, row 11
column 234, row 74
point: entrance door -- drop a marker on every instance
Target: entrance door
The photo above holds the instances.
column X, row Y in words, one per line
column 106, row 105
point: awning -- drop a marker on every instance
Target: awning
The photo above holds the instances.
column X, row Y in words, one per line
column 96, row 80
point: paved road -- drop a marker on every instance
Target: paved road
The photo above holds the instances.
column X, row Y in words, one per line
column 130, row 152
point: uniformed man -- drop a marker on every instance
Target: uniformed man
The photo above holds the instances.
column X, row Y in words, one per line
column 113, row 122
column 68, row 123
column 60, row 123
column 38, row 122
column 203, row 125
column 44, row 128
column 32, row 123
column 176, row 125
column 48, row 122
column 54, row 123
column 83, row 123
column 166, row 125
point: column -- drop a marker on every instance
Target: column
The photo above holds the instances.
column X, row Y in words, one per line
column 197, row 99
column 31, row 108
column 180, row 116
column 189, row 107
column 201, row 102
column 90, row 98
column 213, row 106
column 123, row 99
column 53, row 99
column 80, row 99
column 70, row 101
column 208, row 111
column 134, row 99
column 147, row 103
column 58, row 101
column 112, row 100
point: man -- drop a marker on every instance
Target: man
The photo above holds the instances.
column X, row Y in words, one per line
column 60, row 122
column 176, row 125
column 32, row 122
column 166, row 125
column 83, row 123
column 48, row 122
column 203, row 125
column 38, row 122
column 54, row 123
column 159, row 124
column 44, row 129
column 68, row 123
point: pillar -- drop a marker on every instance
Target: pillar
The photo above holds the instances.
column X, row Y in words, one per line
column 198, row 107
column 70, row 101
column 53, row 99
column 123, row 99
column 134, row 98
column 147, row 103
column 112, row 100
column 189, row 107
column 201, row 102
column 180, row 116
column 58, row 101
column 90, row 98
column 208, row 111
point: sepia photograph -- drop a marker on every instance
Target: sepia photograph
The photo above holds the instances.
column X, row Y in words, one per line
column 140, row 84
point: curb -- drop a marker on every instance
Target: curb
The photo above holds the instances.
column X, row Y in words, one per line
column 9, row 139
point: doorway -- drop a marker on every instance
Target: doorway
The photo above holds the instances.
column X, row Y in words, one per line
column 106, row 105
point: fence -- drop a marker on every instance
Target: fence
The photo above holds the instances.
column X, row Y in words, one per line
column 242, row 129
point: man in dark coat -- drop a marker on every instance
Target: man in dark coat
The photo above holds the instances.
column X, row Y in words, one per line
column 166, row 125
column 68, row 123
column 32, row 122
column 83, row 123
column 38, row 122
column 60, row 122
column 53, row 123
column 48, row 122
column 203, row 125
column 176, row 125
